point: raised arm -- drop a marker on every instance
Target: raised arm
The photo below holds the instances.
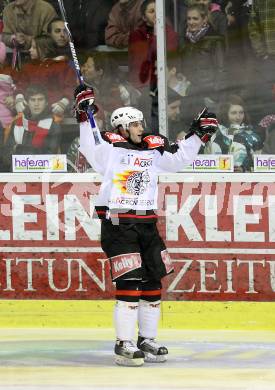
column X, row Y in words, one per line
column 184, row 156
column 96, row 153
column 200, row 132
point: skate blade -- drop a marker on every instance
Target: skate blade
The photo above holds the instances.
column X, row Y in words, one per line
column 123, row 361
column 150, row 358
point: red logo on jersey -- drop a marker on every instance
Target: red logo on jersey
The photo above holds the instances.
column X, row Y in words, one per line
column 113, row 137
column 143, row 162
column 153, row 141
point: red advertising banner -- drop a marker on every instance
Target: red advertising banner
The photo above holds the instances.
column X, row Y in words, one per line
column 220, row 234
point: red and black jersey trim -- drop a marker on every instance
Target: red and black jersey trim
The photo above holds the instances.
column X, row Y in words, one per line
column 126, row 216
column 149, row 142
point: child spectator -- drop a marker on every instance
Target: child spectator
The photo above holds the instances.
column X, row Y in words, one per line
column 33, row 131
column 24, row 19
column 7, row 89
column 124, row 17
column 55, row 74
column 142, row 47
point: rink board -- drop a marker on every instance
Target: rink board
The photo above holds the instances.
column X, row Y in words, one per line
column 98, row 314
column 219, row 230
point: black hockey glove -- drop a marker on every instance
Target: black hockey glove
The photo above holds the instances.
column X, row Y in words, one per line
column 204, row 126
column 84, row 101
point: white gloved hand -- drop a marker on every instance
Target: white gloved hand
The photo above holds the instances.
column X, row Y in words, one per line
column 59, row 107
column 20, row 103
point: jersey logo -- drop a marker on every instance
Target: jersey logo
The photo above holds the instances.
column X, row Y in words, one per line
column 113, row 137
column 132, row 182
column 154, row 141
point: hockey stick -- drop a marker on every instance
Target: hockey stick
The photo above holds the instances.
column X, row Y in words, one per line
column 77, row 69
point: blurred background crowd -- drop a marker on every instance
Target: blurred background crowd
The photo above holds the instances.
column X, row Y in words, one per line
column 220, row 54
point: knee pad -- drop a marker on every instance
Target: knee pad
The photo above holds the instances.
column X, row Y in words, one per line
column 151, row 290
column 128, row 290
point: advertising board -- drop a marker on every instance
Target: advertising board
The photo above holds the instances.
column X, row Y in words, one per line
column 219, row 231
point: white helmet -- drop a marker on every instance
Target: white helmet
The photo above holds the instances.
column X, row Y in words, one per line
column 124, row 116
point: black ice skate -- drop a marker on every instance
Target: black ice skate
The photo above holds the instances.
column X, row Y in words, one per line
column 127, row 354
column 154, row 353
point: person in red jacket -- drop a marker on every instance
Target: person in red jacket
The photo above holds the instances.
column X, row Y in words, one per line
column 142, row 47
column 54, row 73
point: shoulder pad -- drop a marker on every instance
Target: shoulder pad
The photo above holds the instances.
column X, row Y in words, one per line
column 113, row 137
column 154, row 141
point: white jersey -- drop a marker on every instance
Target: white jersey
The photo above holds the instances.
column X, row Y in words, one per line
column 130, row 174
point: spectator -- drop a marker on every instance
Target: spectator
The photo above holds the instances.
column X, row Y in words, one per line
column 203, row 56
column 75, row 12
column 175, row 79
column 76, row 162
column 264, row 126
column 24, row 19
column 262, row 34
column 55, row 74
column 7, row 89
column 110, row 87
column 269, row 145
column 124, row 17
column 217, row 18
column 235, row 124
column 3, row 3
column 142, row 47
column 96, row 69
column 173, row 112
column 58, row 33
column 238, row 15
column 34, row 131
column 239, row 56
column 55, row 5
column 95, row 17
column 263, row 129
column 6, row 99
column 176, row 14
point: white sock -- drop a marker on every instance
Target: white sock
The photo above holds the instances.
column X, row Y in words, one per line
column 148, row 318
column 125, row 319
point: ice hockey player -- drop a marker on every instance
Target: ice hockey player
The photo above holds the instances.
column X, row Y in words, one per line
column 129, row 161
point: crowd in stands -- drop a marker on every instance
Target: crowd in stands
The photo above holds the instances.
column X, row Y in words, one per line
column 220, row 54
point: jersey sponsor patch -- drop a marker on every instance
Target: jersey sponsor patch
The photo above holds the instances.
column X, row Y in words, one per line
column 153, row 141
column 113, row 137
column 122, row 264
column 167, row 261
